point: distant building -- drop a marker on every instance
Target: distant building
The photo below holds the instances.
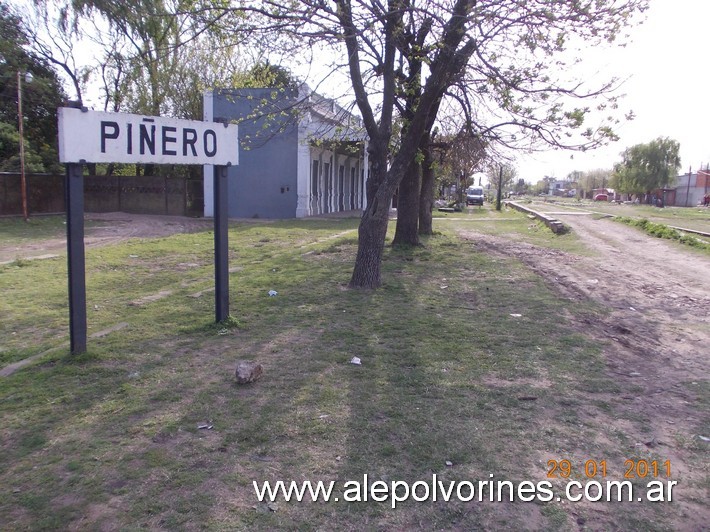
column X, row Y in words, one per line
column 563, row 187
column 300, row 154
column 690, row 188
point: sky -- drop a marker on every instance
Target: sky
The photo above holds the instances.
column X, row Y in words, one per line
column 666, row 68
column 667, row 64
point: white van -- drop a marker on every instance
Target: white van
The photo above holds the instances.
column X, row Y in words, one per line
column 474, row 195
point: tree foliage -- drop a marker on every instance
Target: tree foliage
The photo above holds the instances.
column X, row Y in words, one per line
column 593, row 179
column 265, row 75
column 510, row 174
column 147, row 57
column 463, row 155
column 160, row 48
column 40, row 99
column 496, row 64
column 647, row 167
column 150, row 57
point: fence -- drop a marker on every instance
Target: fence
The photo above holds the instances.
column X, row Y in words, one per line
column 140, row 195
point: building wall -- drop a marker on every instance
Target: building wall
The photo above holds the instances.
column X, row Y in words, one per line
column 290, row 165
column 690, row 189
column 264, row 183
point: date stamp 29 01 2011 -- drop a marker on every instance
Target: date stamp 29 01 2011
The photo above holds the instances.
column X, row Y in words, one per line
column 598, row 469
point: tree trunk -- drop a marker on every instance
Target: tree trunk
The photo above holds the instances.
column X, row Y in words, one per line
column 373, row 224
column 450, row 60
column 371, row 242
column 376, row 174
column 426, row 197
column 407, row 233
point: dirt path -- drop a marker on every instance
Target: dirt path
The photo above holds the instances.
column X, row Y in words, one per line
column 657, row 331
column 110, row 228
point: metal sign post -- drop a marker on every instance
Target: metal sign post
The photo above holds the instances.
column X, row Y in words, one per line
column 74, row 196
column 89, row 136
column 221, row 248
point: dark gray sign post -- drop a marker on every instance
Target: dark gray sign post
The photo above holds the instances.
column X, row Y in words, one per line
column 74, row 201
column 221, row 247
column 88, row 136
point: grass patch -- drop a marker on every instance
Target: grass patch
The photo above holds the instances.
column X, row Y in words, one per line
column 517, row 226
column 697, row 218
column 16, row 231
column 149, row 430
column 663, row 231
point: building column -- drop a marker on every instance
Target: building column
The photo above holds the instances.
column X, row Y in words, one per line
column 366, row 172
column 303, row 181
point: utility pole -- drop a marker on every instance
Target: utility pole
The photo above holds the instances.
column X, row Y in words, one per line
column 687, row 190
column 461, row 187
column 23, row 182
column 500, row 187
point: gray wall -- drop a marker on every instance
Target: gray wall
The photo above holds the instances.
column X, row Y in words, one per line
column 143, row 195
column 264, row 183
column 45, row 193
column 688, row 196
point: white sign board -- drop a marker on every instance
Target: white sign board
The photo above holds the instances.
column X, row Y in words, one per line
column 96, row 137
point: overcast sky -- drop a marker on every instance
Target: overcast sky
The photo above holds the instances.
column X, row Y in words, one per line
column 668, row 64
